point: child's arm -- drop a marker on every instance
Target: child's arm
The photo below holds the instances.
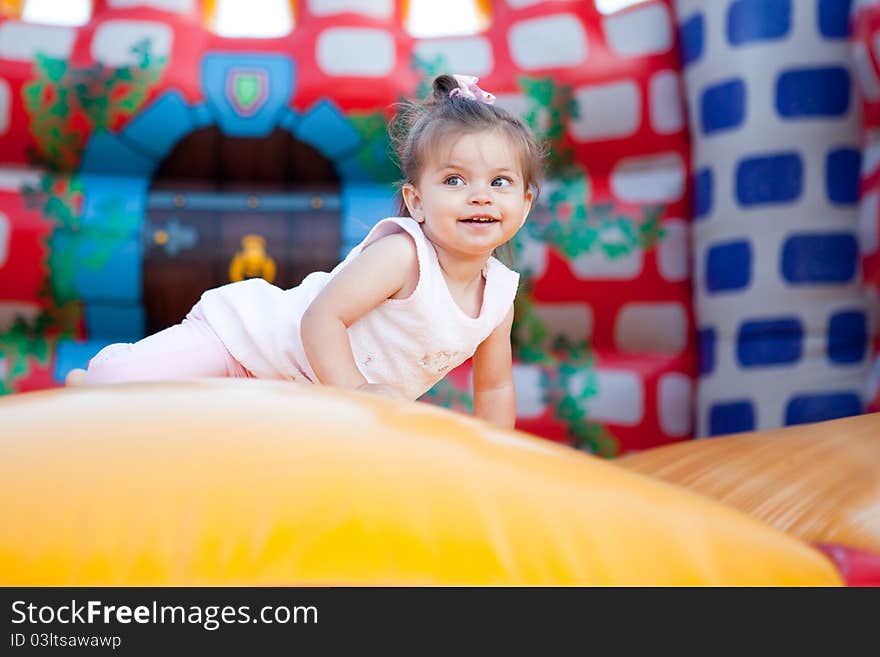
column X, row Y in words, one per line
column 386, row 267
column 494, row 394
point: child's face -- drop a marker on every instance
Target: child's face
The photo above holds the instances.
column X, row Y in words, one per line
column 470, row 197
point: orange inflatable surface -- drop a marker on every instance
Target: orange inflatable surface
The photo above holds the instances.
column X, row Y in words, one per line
column 819, row 482
column 236, row 482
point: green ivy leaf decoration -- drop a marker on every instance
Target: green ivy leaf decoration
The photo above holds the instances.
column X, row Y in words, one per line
column 58, row 93
column 375, row 156
column 101, row 95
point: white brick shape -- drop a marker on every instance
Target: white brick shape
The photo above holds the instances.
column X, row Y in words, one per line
column 654, row 179
column 607, row 111
column 12, row 310
column 672, row 253
column 571, row 320
column 519, row 106
column 640, row 31
column 5, row 235
column 869, row 216
column 21, row 41
column 529, row 394
column 464, row 56
column 666, row 102
column 613, row 6
column 548, row 42
column 598, row 266
column 516, row 104
column 430, row 18
column 184, row 7
column 620, row 398
column 651, row 328
column 47, row 12
column 356, row 51
column 12, row 179
column 5, row 106
column 675, row 404
column 532, row 258
column 239, row 19
column 114, row 40
column 867, row 77
column 371, row 8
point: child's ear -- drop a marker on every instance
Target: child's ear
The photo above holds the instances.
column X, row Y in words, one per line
column 413, row 202
column 527, row 207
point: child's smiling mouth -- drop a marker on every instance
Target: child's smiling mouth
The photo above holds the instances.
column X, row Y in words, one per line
column 479, row 219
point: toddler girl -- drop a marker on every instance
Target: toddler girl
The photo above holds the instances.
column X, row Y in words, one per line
column 420, row 294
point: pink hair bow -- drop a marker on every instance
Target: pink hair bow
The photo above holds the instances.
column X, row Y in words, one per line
column 467, row 88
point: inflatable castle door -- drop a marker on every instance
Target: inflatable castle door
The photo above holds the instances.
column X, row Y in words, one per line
column 223, row 209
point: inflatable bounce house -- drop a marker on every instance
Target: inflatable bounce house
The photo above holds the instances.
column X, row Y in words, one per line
column 704, row 260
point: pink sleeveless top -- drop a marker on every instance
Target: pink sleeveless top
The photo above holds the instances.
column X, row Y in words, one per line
column 407, row 343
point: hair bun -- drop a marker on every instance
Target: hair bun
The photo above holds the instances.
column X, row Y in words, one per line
column 443, row 85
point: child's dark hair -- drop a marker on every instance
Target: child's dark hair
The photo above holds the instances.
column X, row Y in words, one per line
column 418, row 126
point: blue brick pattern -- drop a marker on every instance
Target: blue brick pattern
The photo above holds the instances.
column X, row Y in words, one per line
column 728, row 266
column 764, row 342
column 842, row 175
column 774, row 202
column 723, row 106
column 819, row 258
column 777, row 178
column 814, row 92
column 703, row 186
column 822, row 406
column 706, row 340
column 833, row 16
column 847, row 337
column 691, row 33
column 749, row 21
column 731, row 417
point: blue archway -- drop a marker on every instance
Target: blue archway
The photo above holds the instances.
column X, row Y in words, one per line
column 245, row 96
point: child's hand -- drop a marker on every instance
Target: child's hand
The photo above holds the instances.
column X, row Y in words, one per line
column 75, row 377
column 381, row 389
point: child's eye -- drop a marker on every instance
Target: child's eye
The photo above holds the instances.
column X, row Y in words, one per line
column 502, row 181
column 454, row 180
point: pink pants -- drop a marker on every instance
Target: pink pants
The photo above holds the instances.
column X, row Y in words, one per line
column 188, row 350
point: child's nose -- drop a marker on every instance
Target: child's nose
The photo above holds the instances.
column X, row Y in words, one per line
column 480, row 196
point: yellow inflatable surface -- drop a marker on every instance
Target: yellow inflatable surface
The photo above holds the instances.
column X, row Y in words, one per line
column 234, row 482
column 819, row 482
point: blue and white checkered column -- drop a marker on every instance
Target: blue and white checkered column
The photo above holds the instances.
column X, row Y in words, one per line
column 778, row 296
